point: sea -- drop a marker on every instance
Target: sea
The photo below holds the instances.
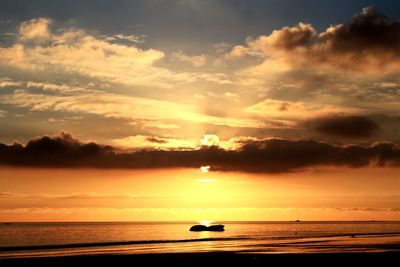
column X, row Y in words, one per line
column 19, row 240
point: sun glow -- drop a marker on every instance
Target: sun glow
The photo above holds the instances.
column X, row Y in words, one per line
column 209, row 140
column 205, row 222
column 205, row 168
column 177, row 194
column 206, row 180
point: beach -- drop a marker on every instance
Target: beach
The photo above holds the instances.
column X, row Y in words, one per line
column 246, row 243
column 207, row 258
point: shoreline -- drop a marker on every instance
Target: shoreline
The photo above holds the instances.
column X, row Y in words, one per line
column 201, row 258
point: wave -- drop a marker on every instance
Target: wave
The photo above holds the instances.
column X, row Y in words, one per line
column 117, row 243
column 349, row 234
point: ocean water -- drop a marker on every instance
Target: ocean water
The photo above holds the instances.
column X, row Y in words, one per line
column 59, row 239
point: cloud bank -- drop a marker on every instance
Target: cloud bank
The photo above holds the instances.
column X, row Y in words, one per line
column 346, row 126
column 268, row 156
column 368, row 41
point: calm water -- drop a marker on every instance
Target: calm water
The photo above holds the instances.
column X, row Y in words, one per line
column 53, row 239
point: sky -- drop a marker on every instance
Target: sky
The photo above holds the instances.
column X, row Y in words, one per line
column 199, row 110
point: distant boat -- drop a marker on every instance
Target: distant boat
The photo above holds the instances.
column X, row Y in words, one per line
column 213, row 228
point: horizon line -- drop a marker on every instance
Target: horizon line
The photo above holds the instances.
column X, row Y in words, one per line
column 197, row 221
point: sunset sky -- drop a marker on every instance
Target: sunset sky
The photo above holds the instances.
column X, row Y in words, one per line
column 199, row 110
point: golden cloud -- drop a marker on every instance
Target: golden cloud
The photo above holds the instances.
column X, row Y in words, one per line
column 75, row 51
column 35, row 30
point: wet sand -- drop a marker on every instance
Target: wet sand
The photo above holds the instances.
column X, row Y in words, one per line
column 208, row 258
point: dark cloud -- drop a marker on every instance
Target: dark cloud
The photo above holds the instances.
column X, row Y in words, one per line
column 369, row 41
column 157, row 140
column 346, row 126
column 57, row 151
column 284, row 106
column 270, row 155
column 366, row 31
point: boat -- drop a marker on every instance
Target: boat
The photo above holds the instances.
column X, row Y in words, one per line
column 213, row 228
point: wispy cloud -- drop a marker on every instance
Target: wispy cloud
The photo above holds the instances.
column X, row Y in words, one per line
column 112, row 105
column 196, row 61
column 153, row 142
column 4, row 82
column 137, row 39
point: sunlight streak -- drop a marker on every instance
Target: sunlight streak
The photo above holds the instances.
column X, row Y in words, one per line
column 205, row 222
column 206, row 181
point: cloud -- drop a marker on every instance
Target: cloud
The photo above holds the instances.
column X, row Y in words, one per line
column 72, row 51
column 37, row 30
column 137, row 39
column 88, row 196
column 96, row 102
column 115, row 59
column 195, row 61
column 53, row 151
column 61, row 88
column 279, row 80
column 346, row 126
column 2, row 113
column 369, row 41
column 287, row 38
column 56, row 66
column 112, row 105
column 271, row 108
column 367, row 31
column 210, row 140
column 154, row 124
column 153, row 142
column 5, row 82
column 269, row 155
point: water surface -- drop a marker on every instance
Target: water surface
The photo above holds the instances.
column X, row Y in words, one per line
column 55, row 239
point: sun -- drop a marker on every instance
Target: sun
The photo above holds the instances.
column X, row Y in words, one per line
column 205, row 222
column 205, row 168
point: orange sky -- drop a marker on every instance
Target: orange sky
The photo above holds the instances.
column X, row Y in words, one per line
column 189, row 194
column 221, row 111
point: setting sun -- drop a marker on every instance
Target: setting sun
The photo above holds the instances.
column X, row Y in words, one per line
column 205, row 168
column 205, row 222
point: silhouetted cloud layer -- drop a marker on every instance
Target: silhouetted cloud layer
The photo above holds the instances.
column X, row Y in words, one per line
column 269, row 155
column 346, row 126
